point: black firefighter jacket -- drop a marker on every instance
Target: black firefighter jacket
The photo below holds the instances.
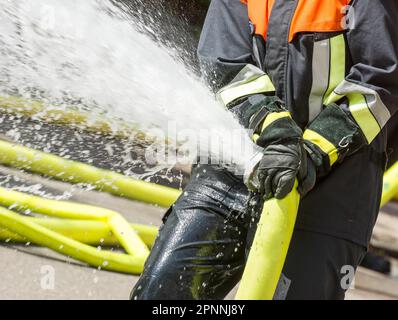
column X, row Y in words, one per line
column 334, row 63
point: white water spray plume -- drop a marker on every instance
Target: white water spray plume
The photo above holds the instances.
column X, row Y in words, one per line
column 90, row 55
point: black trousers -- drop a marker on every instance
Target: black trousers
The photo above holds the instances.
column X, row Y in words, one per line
column 201, row 248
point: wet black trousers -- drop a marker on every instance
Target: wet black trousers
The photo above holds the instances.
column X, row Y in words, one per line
column 202, row 246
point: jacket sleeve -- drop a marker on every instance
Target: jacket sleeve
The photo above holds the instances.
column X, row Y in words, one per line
column 360, row 106
column 226, row 56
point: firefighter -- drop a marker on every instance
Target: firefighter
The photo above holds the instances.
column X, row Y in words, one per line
column 315, row 82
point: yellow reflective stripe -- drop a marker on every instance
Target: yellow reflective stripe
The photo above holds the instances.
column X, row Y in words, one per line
column 363, row 116
column 273, row 117
column 261, row 84
column 325, row 145
column 337, row 64
column 373, row 100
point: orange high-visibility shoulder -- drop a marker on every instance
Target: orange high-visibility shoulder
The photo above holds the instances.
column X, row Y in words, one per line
column 318, row 16
column 259, row 12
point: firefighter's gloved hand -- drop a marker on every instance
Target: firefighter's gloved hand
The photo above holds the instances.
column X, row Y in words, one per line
column 280, row 165
column 283, row 158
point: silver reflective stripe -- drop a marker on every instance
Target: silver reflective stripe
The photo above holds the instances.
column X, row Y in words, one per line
column 320, row 77
column 248, row 73
column 282, row 288
column 374, row 102
column 256, row 53
column 250, row 80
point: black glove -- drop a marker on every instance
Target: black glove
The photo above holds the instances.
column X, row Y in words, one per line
column 279, row 167
column 283, row 158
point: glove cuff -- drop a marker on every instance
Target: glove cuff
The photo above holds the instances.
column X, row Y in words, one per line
column 267, row 119
column 331, row 137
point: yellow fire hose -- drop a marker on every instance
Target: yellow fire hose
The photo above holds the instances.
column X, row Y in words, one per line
column 62, row 209
column 95, row 233
column 34, row 232
column 77, row 172
column 72, row 171
column 390, row 185
column 44, row 237
column 269, row 249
